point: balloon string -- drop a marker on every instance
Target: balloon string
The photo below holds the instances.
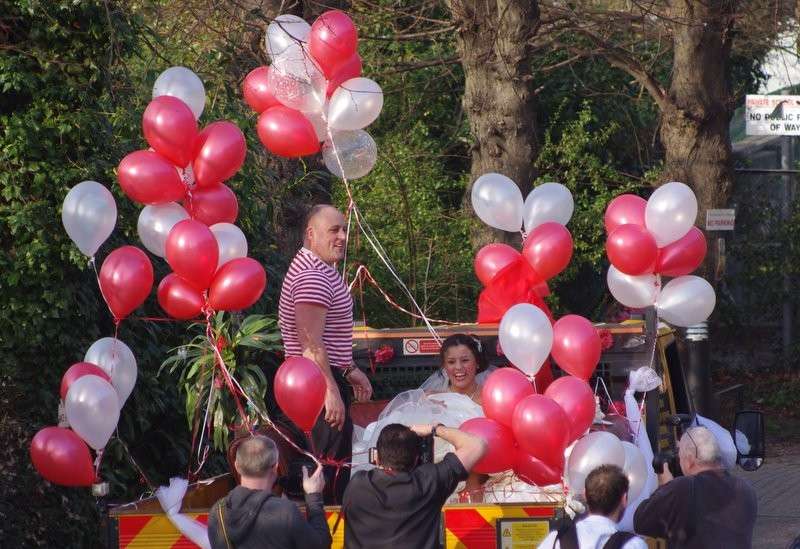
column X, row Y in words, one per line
column 100, row 287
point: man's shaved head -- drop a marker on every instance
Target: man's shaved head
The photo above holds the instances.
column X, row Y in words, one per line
column 325, row 233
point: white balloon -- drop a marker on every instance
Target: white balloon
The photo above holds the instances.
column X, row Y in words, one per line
column 355, row 104
column 632, row 291
column 297, row 81
column 497, row 200
column 89, row 215
column 686, row 300
column 184, row 84
column 284, row 32
column 590, row 452
column 635, row 469
column 548, row 202
column 117, row 360
column 670, row 212
column 357, row 153
column 92, row 408
column 231, row 241
column 526, row 336
column 317, row 120
column 155, row 222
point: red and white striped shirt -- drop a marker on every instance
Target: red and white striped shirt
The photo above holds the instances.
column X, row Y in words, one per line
column 311, row 280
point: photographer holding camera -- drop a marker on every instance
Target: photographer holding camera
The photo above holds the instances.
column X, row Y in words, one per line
column 707, row 507
column 398, row 504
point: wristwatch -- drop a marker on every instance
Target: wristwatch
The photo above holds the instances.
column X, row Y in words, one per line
column 433, row 429
column 347, row 371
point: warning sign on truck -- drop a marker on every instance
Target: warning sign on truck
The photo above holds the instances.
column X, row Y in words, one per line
column 421, row 346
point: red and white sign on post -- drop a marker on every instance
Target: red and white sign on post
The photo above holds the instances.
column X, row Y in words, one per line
column 720, row 220
column 421, row 346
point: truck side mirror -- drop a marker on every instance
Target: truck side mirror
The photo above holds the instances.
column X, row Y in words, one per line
column 748, row 435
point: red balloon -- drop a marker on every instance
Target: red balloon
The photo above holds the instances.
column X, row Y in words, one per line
column 300, row 391
column 219, row 153
column 632, row 250
column 576, row 346
column 192, row 252
column 178, row 298
column 682, row 256
column 237, row 285
column 626, row 209
column 286, row 132
column 541, row 428
column 350, row 68
column 149, row 178
column 493, row 258
column 77, row 370
column 169, row 127
column 126, row 279
column 61, row 457
column 548, row 249
column 500, row 441
column 333, row 38
column 534, row 471
column 501, row 393
column 257, row 92
column 577, row 400
column 212, row 205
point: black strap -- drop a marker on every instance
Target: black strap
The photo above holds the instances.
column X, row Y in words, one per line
column 567, row 536
column 618, row 539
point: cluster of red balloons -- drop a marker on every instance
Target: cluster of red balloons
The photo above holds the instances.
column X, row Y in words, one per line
column 526, row 431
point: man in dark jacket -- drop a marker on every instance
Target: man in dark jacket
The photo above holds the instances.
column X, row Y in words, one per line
column 250, row 516
column 704, row 509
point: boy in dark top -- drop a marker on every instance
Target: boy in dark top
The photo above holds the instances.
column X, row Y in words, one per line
column 706, row 508
column 399, row 503
column 250, row 516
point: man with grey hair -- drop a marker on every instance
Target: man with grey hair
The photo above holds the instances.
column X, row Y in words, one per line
column 707, row 507
column 250, row 516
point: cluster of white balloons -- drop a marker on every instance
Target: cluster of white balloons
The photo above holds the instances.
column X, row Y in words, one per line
column 298, row 82
column 92, row 404
column 498, row 202
column 685, row 300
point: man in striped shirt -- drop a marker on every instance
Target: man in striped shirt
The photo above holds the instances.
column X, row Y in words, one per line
column 316, row 320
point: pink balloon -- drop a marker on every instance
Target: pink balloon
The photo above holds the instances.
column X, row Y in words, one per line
column 683, row 256
column 212, row 205
column 77, row 370
column 170, row 128
column 501, row 393
column 61, row 457
column 219, row 153
column 179, row 298
column 257, row 92
column 149, row 178
column 237, row 285
column 632, row 250
column 534, row 471
column 286, row 132
column 548, row 249
column 300, row 391
column 192, row 252
column 576, row 346
column 541, row 428
column 126, row 279
column 577, row 400
column 493, row 258
column 500, row 440
column 333, row 38
column 351, row 68
column 626, row 209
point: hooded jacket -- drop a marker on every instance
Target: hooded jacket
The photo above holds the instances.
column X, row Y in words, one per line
column 257, row 519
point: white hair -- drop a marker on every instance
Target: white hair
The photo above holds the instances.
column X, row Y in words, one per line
column 700, row 443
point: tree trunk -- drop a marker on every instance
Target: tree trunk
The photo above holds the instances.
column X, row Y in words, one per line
column 493, row 42
column 695, row 118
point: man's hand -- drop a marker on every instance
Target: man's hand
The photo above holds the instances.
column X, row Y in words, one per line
column 422, row 430
column 334, row 407
column 665, row 476
column 315, row 483
column 362, row 388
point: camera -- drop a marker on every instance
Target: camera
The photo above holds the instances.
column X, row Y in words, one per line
column 424, row 451
column 669, row 459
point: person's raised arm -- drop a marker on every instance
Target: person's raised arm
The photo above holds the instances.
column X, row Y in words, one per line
column 310, row 321
column 312, row 533
column 469, row 449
